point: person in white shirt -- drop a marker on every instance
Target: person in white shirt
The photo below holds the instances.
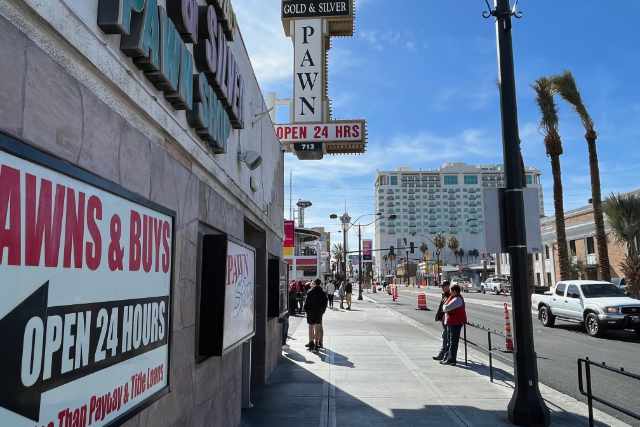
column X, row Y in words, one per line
column 331, row 289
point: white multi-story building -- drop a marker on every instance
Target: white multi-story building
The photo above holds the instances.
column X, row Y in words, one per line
column 448, row 200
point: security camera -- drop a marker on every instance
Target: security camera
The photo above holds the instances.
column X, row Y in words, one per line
column 252, row 159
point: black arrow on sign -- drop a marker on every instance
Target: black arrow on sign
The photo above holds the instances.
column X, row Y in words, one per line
column 18, row 398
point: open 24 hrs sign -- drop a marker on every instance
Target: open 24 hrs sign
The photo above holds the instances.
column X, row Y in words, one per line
column 334, row 132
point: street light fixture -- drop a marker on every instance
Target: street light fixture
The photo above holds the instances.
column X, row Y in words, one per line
column 345, row 219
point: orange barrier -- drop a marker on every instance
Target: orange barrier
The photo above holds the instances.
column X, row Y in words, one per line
column 422, row 301
column 507, row 330
column 394, row 293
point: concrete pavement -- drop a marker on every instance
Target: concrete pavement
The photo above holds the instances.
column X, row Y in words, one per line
column 377, row 371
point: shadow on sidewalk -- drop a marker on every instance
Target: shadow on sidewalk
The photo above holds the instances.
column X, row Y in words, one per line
column 483, row 369
column 297, row 397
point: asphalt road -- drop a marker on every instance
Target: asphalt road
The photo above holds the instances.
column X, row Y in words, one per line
column 558, row 348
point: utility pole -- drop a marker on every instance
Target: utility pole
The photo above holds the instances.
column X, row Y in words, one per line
column 526, row 407
column 359, row 262
column 346, row 220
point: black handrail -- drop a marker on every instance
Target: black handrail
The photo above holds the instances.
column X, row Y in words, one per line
column 489, row 347
column 589, row 393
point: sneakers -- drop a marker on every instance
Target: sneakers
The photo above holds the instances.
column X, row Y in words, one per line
column 309, row 345
column 438, row 357
column 448, row 362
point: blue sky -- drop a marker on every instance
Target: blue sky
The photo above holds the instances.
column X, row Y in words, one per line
column 423, row 74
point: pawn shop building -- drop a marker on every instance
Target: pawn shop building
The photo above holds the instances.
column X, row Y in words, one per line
column 141, row 215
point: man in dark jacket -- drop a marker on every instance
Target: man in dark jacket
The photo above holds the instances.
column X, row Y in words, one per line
column 315, row 305
column 348, row 290
column 440, row 318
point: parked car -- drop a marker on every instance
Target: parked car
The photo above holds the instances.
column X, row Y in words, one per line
column 471, row 286
column 598, row 305
column 497, row 285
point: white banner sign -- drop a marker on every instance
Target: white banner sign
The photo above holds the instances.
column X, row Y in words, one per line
column 85, row 280
column 239, row 296
column 321, row 132
column 308, row 73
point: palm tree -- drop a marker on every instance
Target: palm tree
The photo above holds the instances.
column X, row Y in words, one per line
column 453, row 244
column 423, row 249
column 549, row 126
column 461, row 255
column 439, row 241
column 338, row 254
column 566, row 86
column 623, row 215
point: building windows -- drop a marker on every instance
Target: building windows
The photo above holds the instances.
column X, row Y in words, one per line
column 450, row 180
column 549, row 280
column 590, row 246
column 471, row 179
column 394, row 180
column 538, row 279
column 529, row 179
column 572, row 248
column 546, row 250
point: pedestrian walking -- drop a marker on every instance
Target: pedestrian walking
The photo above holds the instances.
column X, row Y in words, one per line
column 300, row 293
column 331, row 289
column 341, row 294
column 455, row 316
column 348, row 290
column 315, row 305
column 440, row 318
column 293, row 303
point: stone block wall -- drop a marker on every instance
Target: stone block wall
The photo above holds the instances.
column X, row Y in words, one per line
column 42, row 104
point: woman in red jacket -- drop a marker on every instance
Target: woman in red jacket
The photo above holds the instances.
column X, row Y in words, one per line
column 455, row 316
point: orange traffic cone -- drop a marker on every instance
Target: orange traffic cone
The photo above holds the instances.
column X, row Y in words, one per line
column 395, row 293
column 422, row 301
column 507, row 330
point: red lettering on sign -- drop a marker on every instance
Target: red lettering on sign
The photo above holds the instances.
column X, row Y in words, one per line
column 147, row 248
column 166, row 257
column 10, row 203
column 94, row 250
column 74, row 229
column 303, row 132
column 356, row 131
column 338, row 131
column 157, row 230
column 42, row 225
column 134, row 241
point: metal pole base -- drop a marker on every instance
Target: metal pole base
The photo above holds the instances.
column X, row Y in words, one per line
column 360, row 294
column 527, row 408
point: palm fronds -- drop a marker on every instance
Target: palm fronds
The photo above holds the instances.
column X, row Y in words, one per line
column 566, row 86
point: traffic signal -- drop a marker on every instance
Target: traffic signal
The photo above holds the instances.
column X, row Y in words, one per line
column 412, row 248
column 391, row 250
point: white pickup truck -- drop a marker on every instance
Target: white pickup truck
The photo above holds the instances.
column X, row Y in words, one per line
column 599, row 305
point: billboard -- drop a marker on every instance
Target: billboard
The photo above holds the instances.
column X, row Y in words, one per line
column 239, row 295
column 85, row 268
column 367, row 253
column 289, row 239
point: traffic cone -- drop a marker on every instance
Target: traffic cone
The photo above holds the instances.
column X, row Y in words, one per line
column 395, row 293
column 507, row 330
column 422, row 301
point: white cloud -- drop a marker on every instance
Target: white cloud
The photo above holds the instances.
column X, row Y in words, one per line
column 271, row 52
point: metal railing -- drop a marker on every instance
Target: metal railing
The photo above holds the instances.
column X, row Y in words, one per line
column 589, row 392
column 489, row 348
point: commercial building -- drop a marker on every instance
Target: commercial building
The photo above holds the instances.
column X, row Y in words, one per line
column 311, row 254
column 448, row 200
column 583, row 253
column 141, row 200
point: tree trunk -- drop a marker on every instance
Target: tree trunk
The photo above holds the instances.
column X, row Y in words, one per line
column 601, row 236
column 558, row 201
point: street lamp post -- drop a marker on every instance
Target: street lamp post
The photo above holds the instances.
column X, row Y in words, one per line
column 359, row 262
column 526, row 406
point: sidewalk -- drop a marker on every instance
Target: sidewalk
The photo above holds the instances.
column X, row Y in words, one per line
column 377, row 371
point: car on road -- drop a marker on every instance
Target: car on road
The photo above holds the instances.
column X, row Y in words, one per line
column 598, row 305
column 497, row 285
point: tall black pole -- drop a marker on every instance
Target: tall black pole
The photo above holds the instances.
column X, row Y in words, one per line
column 344, row 251
column 526, row 407
column 360, row 263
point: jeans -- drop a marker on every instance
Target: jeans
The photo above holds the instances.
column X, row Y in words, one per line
column 285, row 330
column 445, row 342
column 330, row 296
column 453, row 338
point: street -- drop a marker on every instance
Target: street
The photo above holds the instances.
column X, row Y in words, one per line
column 557, row 348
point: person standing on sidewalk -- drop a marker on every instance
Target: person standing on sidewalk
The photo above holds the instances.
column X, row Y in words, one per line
column 315, row 305
column 331, row 288
column 341, row 294
column 455, row 316
column 348, row 290
column 440, row 318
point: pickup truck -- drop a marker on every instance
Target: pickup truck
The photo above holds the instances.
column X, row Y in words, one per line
column 497, row 285
column 598, row 305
